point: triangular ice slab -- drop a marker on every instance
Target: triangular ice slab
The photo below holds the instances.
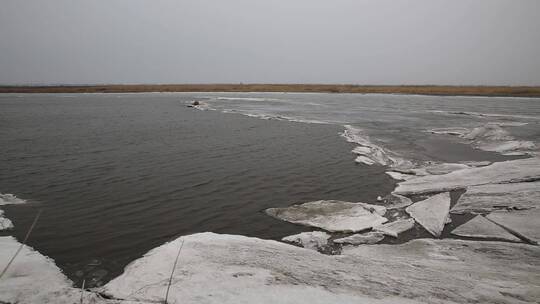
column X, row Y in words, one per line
column 480, row 227
column 525, row 223
column 431, row 213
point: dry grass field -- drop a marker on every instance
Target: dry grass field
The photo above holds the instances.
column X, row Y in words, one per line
column 516, row 91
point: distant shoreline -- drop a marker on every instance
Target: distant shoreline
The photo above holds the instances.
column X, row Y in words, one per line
column 494, row 91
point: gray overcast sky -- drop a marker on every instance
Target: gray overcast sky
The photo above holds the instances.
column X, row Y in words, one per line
column 270, row 41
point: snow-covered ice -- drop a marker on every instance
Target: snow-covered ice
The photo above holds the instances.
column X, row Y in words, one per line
column 358, row 239
column 235, row 269
column 331, row 215
column 519, row 170
column 480, row 227
column 431, row 213
column 5, row 223
column 314, row 240
column 486, row 198
column 393, row 229
column 525, row 223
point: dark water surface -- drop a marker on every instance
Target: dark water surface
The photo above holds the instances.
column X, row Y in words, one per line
column 117, row 175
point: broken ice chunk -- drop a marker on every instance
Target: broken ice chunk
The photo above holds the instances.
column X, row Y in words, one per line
column 431, row 213
column 524, row 223
column 393, row 229
column 331, row 215
column 480, row 227
column 358, row 239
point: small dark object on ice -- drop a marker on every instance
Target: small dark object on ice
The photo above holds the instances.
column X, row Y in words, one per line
column 195, row 103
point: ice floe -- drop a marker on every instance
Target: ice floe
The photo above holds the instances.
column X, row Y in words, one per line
column 314, row 240
column 225, row 269
column 5, row 223
column 486, row 198
column 359, row 239
column 519, row 170
column 480, row 227
column 524, row 223
column 10, row 199
column 431, row 213
column 331, row 215
column 393, row 229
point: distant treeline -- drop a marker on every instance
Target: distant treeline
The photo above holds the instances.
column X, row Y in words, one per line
column 516, row 91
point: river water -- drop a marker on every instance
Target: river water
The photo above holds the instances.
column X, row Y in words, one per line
column 116, row 175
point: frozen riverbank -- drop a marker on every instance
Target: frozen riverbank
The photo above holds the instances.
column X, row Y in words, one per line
column 215, row 268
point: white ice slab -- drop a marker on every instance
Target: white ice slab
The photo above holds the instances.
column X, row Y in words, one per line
column 525, row 223
column 358, row 239
column 393, row 229
column 502, row 172
column 487, row 198
column 431, row 213
column 235, row 269
column 480, row 227
column 314, row 240
column 331, row 215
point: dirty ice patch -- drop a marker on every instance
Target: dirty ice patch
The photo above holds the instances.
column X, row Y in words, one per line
column 512, row 171
column 332, row 215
